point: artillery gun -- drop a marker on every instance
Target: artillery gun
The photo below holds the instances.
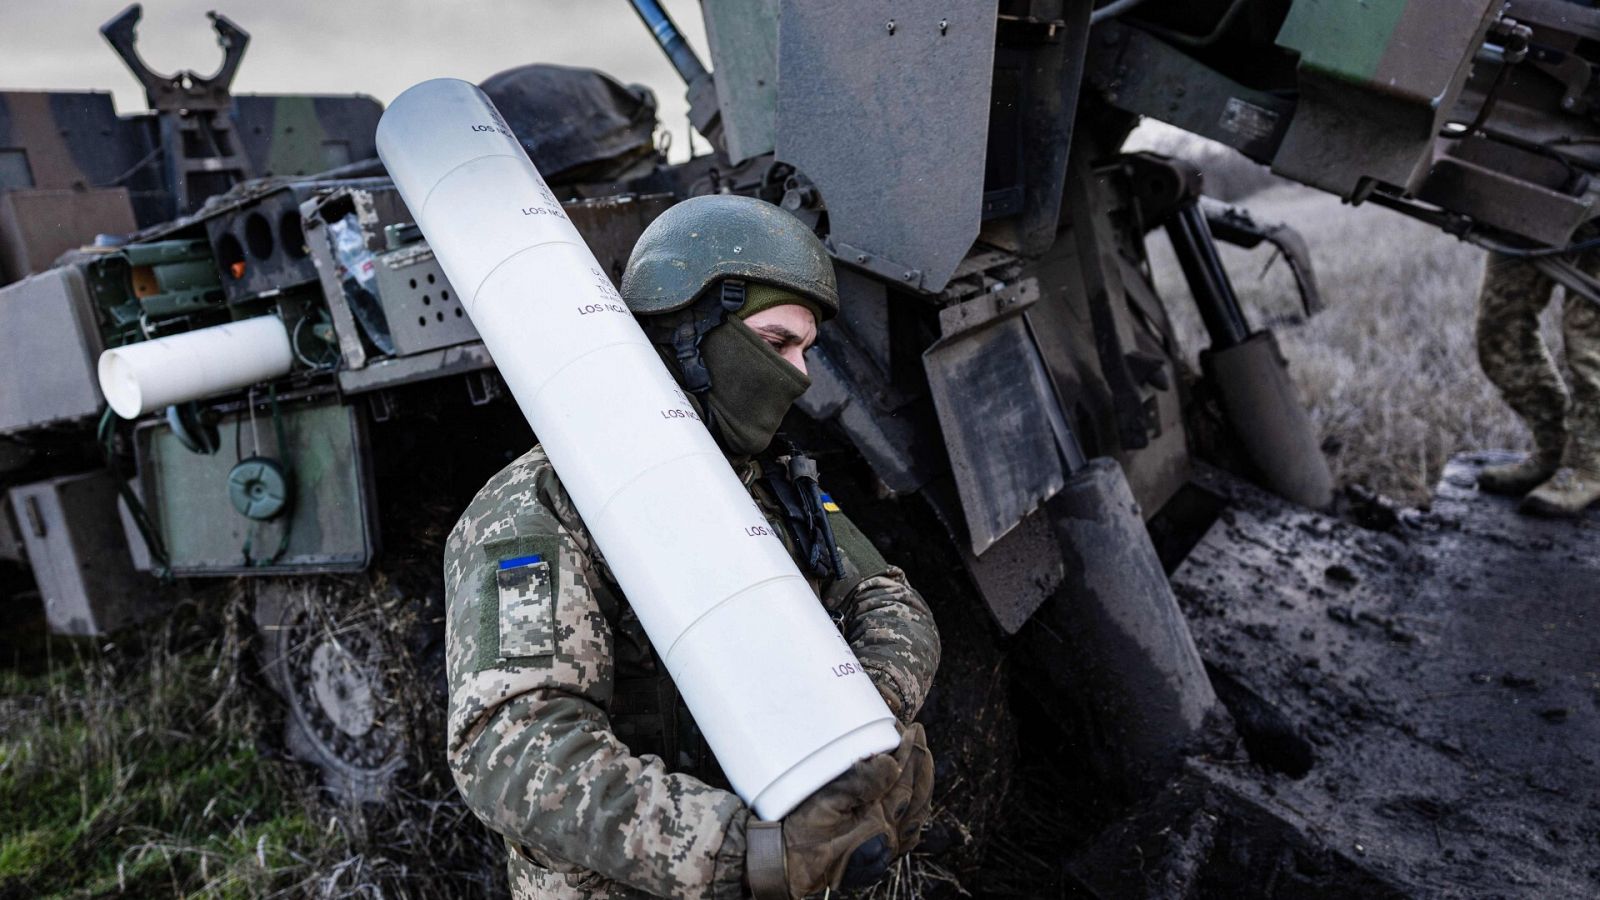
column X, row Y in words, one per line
column 1004, row 404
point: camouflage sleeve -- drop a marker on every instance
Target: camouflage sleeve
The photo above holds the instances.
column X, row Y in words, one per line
column 887, row 623
column 530, row 671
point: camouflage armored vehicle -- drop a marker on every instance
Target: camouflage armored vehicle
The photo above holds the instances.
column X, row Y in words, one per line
column 1003, row 404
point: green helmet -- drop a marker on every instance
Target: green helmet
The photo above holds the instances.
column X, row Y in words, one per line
column 706, row 239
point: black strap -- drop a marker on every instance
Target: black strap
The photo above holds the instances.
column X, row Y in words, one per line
column 159, row 562
column 683, row 331
column 791, row 478
column 803, row 472
column 288, row 477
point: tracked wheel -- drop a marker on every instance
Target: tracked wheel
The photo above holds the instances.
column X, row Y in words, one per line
column 344, row 658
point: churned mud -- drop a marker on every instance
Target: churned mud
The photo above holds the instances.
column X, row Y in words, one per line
column 1418, row 696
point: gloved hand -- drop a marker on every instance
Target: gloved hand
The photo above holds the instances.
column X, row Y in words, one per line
column 837, row 836
column 907, row 805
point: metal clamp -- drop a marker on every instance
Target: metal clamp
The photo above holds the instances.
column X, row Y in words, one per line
column 185, row 89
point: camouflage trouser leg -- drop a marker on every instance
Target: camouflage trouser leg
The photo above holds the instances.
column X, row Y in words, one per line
column 531, row 881
column 1514, row 355
column 1581, row 324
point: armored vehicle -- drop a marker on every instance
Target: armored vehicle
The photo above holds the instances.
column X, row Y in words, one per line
column 1003, row 402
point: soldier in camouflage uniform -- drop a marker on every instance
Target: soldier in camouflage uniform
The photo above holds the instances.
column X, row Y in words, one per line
column 1562, row 475
column 565, row 734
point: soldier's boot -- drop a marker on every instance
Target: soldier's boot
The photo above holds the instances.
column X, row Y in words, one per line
column 1576, row 485
column 1567, row 493
column 1518, row 478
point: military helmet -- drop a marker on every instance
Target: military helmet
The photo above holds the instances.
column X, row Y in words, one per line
column 576, row 124
column 705, row 239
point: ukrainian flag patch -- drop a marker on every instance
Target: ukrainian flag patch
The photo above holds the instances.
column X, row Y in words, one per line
column 521, row 561
column 828, row 504
column 527, row 607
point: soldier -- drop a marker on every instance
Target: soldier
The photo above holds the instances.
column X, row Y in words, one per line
column 582, row 754
column 1562, row 476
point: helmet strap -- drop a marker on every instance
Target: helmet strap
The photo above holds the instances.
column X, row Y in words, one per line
column 684, row 331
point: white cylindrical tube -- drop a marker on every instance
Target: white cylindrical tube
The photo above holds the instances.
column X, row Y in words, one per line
column 776, row 690
column 137, row 378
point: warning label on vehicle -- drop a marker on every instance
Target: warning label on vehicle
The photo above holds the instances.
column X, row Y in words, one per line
column 1249, row 121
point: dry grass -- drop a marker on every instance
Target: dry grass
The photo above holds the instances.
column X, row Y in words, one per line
column 1389, row 369
column 148, row 765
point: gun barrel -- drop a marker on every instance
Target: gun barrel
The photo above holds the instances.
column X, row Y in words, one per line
column 671, row 40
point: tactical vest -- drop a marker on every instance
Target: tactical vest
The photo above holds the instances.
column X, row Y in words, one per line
column 646, row 711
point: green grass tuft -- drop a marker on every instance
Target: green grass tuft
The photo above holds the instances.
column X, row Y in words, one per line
column 131, row 768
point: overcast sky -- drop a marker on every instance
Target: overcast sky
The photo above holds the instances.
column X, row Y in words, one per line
column 375, row 47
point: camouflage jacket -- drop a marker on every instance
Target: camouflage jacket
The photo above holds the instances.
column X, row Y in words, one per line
column 531, row 743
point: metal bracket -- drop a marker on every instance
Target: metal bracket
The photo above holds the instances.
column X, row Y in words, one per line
column 1574, row 74
column 185, row 89
column 1100, row 270
column 1567, row 274
column 484, row 387
column 382, row 406
column 883, row 267
column 1236, row 226
column 196, row 132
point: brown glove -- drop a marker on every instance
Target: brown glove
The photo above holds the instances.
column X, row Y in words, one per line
column 839, row 830
column 908, row 804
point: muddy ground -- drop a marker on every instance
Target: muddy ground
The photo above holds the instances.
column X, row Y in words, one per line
column 1420, row 698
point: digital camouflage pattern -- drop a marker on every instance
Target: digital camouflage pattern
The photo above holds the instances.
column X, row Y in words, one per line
column 531, row 743
column 527, row 610
column 1565, row 421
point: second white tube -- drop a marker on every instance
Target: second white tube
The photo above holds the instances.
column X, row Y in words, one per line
column 776, row 690
column 147, row 375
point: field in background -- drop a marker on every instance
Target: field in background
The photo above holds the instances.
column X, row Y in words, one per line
column 1389, row 369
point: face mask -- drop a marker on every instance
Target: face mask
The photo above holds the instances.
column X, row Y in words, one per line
column 752, row 387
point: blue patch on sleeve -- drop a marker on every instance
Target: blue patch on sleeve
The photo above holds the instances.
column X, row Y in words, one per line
column 520, row 561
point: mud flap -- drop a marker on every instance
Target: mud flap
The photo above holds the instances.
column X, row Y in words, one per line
column 1113, row 638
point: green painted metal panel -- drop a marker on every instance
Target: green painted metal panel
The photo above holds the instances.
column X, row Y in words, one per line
column 1340, row 38
column 187, row 494
column 744, row 50
column 297, row 136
